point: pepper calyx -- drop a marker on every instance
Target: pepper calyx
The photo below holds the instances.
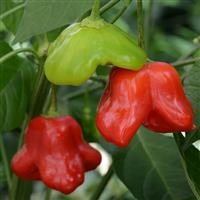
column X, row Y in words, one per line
column 91, row 23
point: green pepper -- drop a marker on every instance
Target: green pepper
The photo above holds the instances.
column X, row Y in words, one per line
column 80, row 48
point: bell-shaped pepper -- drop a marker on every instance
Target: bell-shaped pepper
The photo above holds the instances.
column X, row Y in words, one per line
column 171, row 110
column 123, row 106
column 55, row 153
column 152, row 96
column 80, row 48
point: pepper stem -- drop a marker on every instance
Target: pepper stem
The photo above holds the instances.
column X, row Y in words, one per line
column 95, row 10
column 53, row 107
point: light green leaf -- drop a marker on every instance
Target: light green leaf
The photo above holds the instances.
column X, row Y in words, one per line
column 42, row 16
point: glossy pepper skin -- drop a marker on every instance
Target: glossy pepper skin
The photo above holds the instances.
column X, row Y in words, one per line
column 152, row 96
column 171, row 110
column 96, row 43
column 123, row 105
column 55, row 153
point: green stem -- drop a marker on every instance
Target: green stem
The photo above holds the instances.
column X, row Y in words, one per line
column 15, row 52
column 48, row 194
column 140, row 24
column 40, row 92
column 102, row 184
column 54, row 97
column 95, row 10
column 53, row 105
column 186, row 62
column 109, row 5
column 191, row 53
column 148, row 24
column 5, row 161
column 106, row 7
column 11, row 11
column 120, row 13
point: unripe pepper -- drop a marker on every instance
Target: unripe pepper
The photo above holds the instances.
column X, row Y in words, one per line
column 152, row 96
column 55, row 153
column 80, row 48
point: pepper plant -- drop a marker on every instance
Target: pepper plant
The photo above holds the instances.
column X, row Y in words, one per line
column 85, row 77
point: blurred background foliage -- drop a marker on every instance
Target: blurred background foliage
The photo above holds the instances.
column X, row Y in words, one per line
column 172, row 29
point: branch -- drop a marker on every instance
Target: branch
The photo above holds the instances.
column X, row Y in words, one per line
column 192, row 52
column 120, row 13
column 140, row 24
column 186, row 62
column 11, row 11
column 109, row 5
column 148, row 24
column 17, row 51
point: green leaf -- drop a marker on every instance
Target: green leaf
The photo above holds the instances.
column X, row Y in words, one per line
column 42, row 16
column 16, row 79
column 192, row 89
column 12, row 20
column 151, row 168
column 191, row 161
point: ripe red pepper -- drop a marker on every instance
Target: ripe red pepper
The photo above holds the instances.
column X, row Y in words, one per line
column 172, row 111
column 123, row 106
column 152, row 96
column 55, row 153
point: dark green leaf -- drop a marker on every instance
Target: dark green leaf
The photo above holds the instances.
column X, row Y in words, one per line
column 12, row 20
column 151, row 168
column 42, row 16
column 52, row 35
column 192, row 89
column 103, row 70
column 191, row 161
column 16, row 79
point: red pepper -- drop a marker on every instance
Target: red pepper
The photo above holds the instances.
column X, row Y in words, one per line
column 123, row 106
column 152, row 96
column 171, row 110
column 55, row 152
